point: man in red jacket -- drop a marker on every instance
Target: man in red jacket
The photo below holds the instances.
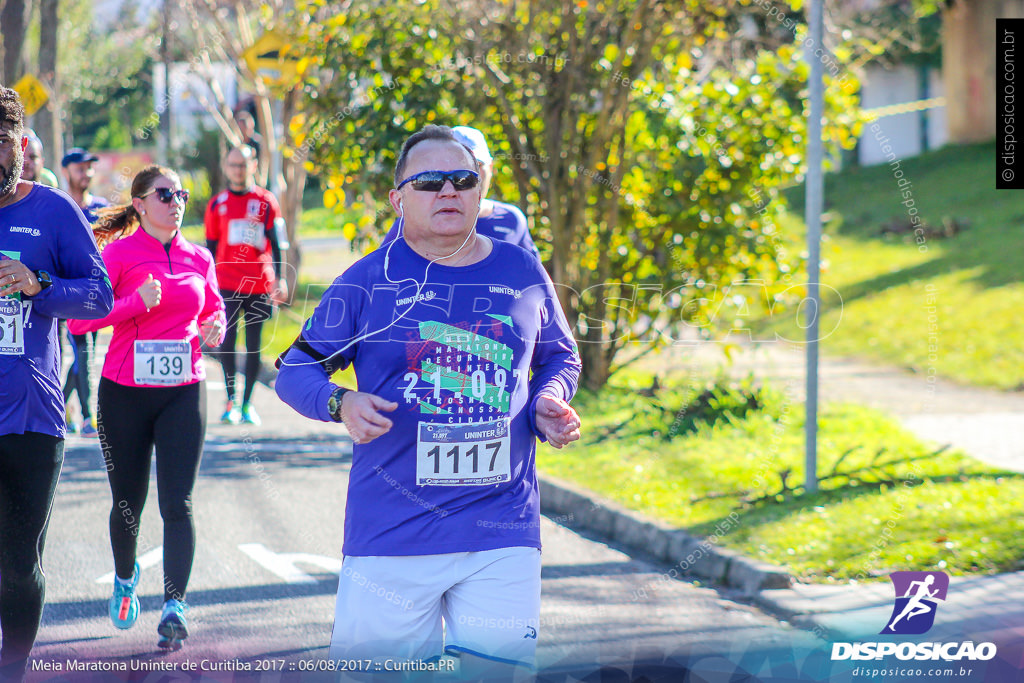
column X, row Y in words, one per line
column 242, row 226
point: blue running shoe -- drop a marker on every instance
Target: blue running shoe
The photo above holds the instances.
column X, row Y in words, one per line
column 124, row 603
column 231, row 415
column 172, row 629
column 250, row 416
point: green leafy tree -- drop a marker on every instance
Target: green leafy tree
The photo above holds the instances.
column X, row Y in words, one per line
column 646, row 142
column 104, row 75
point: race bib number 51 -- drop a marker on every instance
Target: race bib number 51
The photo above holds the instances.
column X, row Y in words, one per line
column 163, row 363
column 12, row 327
column 464, row 454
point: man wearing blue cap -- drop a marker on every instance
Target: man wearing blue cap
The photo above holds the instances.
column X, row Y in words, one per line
column 497, row 220
column 78, row 173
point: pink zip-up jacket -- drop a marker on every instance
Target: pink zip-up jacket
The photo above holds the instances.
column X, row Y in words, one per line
column 189, row 297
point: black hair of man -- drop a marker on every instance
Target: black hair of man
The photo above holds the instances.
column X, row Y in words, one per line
column 429, row 132
column 12, row 110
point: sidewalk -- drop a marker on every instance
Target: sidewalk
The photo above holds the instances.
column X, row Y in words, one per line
column 979, row 607
column 984, row 423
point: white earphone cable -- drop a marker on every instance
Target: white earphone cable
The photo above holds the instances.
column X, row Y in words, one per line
column 415, row 298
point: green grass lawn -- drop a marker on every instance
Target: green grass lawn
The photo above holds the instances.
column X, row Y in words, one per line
column 975, row 276
column 894, row 506
column 280, row 331
column 315, row 222
column 320, row 222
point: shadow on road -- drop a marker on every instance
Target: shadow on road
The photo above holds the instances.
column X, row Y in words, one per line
column 227, row 458
column 74, row 610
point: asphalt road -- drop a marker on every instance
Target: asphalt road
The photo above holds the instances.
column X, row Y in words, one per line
column 269, row 514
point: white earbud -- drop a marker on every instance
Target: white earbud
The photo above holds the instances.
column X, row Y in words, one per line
column 401, row 209
column 143, row 212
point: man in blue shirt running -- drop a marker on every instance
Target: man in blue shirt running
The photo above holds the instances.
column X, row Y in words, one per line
column 463, row 359
column 49, row 269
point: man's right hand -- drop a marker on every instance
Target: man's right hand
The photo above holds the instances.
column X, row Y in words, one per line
column 558, row 421
column 150, row 292
column 359, row 412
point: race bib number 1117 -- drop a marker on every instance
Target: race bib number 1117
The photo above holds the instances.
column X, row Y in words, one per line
column 463, row 454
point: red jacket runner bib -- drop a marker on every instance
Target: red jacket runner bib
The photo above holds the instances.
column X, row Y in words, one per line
column 242, row 224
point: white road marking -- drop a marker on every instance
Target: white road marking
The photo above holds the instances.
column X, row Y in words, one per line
column 283, row 564
column 153, row 557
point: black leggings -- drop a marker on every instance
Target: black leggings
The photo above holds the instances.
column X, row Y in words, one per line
column 251, row 310
column 78, row 375
column 132, row 420
column 29, row 468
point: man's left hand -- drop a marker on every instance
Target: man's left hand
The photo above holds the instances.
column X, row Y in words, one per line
column 557, row 420
column 280, row 294
column 16, row 277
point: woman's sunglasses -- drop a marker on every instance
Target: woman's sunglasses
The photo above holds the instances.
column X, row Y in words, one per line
column 433, row 181
column 166, row 194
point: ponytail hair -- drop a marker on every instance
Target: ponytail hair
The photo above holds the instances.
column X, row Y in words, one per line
column 114, row 222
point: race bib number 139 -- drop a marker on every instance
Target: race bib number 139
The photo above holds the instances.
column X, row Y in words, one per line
column 463, row 454
column 163, row 363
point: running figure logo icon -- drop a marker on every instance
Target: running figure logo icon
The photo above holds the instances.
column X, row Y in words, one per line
column 917, row 594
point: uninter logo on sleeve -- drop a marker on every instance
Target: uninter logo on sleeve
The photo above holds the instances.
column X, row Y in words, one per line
column 916, row 604
column 28, row 231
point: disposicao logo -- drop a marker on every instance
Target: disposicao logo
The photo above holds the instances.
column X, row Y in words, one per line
column 917, row 596
column 917, row 599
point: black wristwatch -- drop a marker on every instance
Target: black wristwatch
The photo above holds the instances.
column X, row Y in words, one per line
column 334, row 403
column 44, row 279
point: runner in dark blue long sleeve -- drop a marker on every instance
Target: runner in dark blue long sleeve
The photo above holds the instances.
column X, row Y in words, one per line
column 463, row 359
column 49, row 269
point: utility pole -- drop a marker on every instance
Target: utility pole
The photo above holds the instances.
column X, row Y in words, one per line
column 165, row 148
column 47, row 120
column 815, row 205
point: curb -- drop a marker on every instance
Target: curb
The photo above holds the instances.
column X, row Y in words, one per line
column 688, row 554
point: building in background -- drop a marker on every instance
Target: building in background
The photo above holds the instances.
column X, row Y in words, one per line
column 187, row 90
column 908, row 129
column 969, row 65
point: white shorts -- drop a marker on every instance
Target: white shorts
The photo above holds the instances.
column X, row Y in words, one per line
column 418, row 607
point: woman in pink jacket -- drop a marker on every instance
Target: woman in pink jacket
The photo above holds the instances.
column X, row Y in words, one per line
column 152, row 394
